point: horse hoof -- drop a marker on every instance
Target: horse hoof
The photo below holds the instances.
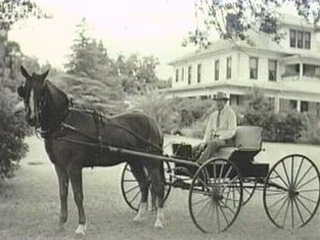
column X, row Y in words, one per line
column 138, row 219
column 81, row 229
column 158, row 225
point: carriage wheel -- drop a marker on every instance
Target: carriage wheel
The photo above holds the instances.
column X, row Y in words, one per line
column 291, row 194
column 249, row 187
column 131, row 191
column 215, row 195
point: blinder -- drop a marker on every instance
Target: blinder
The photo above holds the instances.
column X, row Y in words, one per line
column 21, row 91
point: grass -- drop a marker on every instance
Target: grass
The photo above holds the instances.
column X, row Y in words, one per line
column 29, row 205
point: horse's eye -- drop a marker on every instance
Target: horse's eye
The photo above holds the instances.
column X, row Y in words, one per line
column 21, row 91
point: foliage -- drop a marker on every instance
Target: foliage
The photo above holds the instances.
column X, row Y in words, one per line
column 88, row 57
column 285, row 127
column 92, row 93
column 157, row 106
column 138, row 74
column 258, row 110
column 196, row 129
column 14, row 10
column 311, row 133
column 232, row 19
column 278, row 127
column 192, row 110
column 13, row 129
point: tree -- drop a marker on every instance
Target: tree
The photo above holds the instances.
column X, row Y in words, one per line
column 233, row 18
column 91, row 75
column 13, row 128
column 138, row 74
column 13, row 10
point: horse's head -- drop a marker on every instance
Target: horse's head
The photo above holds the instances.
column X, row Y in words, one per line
column 33, row 94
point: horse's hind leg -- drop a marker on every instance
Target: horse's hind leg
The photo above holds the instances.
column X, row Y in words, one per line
column 63, row 190
column 140, row 175
column 157, row 180
column 76, row 182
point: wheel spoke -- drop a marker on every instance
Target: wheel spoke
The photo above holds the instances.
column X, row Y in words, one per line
column 280, row 208
column 277, row 193
column 307, row 198
column 200, row 201
column 218, row 217
column 310, row 190
column 129, row 180
column 304, row 175
column 281, row 178
column 285, row 214
column 310, row 180
column 292, row 213
column 278, row 201
column 305, row 207
column 134, row 197
column 286, row 173
column 131, row 189
column 205, row 206
column 298, row 209
column 292, row 168
column 299, row 169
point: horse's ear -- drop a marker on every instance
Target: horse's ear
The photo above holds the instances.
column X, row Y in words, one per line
column 24, row 72
column 44, row 75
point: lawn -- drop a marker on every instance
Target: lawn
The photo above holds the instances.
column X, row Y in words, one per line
column 29, row 205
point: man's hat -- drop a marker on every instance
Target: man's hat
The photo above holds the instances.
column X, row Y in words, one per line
column 221, row 96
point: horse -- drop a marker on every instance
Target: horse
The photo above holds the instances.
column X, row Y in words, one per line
column 76, row 138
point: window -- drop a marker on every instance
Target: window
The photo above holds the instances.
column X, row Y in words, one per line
column 304, row 106
column 293, row 37
column 189, row 74
column 182, row 74
column 307, row 40
column 293, row 104
column 229, row 63
column 272, row 70
column 199, row 73
column 300, row 39
column 216, row 70
column 253, row 62
column 177, row 75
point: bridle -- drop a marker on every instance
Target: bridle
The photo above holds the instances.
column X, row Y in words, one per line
column 40, row 101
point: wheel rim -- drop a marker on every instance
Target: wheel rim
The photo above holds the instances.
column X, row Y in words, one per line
column 291, row 195
column 215, row 195
column 131, row 191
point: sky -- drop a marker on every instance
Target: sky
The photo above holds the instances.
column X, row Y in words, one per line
column 146, row 27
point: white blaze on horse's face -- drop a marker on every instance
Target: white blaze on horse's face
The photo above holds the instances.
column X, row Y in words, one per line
column 32, row 108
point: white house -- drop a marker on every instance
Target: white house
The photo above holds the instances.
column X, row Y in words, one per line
column 288, row 72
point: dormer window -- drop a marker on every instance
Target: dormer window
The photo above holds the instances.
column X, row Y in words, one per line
column 300, row 39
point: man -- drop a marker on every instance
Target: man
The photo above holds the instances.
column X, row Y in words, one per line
column 220, row 130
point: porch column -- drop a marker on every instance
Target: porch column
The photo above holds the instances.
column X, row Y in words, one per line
column 300, row 71
column 298, row 105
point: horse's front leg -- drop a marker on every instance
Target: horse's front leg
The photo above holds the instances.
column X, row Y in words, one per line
column 76, row 182
column 63, row 190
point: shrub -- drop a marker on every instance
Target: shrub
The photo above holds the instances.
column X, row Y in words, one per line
column 192, row 110
column 163, row 110
column 12, row 132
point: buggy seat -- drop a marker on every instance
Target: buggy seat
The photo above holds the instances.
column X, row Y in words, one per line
column 248, row 142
